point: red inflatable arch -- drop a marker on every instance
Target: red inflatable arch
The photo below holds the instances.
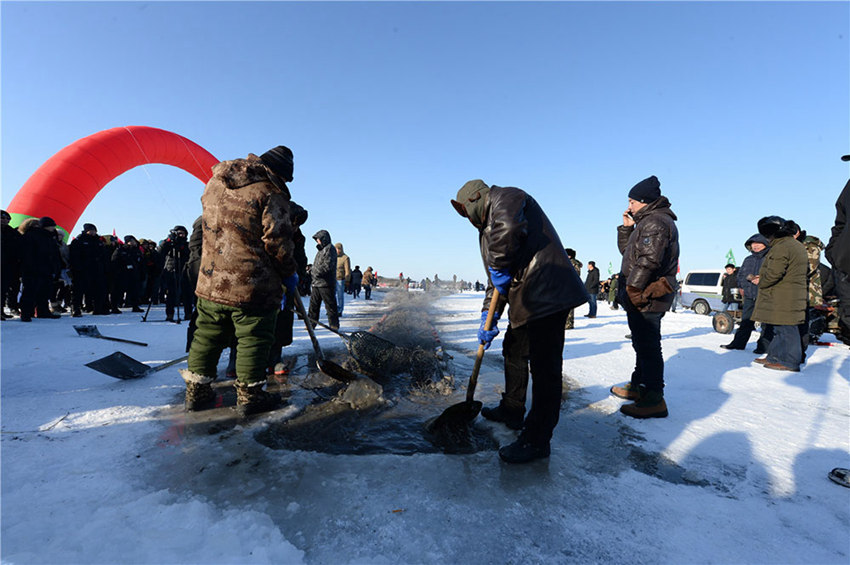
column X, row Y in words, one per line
column 65, row 184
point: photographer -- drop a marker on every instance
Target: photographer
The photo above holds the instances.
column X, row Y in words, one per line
column 175, row 250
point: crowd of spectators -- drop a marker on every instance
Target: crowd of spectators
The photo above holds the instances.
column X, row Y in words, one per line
column 43, row 276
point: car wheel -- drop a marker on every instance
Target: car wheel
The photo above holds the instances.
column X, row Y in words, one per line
column 701, row 307
column 723, row 323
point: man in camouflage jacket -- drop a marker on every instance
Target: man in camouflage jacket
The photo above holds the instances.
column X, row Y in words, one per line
column 246, row 261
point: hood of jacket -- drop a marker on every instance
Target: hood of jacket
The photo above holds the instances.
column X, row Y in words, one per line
column 324, row 238
column 757, row 238
column 240, row 173
column 339, row 250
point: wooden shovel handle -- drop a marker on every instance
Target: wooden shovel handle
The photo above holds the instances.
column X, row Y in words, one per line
column 299, row 307
column 488, row 325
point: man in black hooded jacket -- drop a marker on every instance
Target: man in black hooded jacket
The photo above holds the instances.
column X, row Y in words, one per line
column 748, row 278
column 526, row 262
column 324, row 280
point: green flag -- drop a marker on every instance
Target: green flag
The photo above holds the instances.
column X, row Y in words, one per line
column 610, row 269
column 730, row 257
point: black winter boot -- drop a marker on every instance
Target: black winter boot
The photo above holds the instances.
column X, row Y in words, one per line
column 524, row 451
column 511, row 418
column 252, row 399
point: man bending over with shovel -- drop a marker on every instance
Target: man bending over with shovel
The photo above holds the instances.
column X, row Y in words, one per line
column 246, row 262
column 526, row 262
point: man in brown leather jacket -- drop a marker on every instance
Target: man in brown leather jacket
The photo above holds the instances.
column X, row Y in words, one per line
column 649, row 242
column 526, row 262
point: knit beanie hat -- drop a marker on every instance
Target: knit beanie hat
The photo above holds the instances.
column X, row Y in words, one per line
column 646, row 191
column 472, row 201
column 47, row 222
column 89, row 227
column 129, row 238
column 5, row 215
column 280, row 161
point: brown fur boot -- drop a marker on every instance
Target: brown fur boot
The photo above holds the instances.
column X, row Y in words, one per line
column 199, row 392
column 252, row 399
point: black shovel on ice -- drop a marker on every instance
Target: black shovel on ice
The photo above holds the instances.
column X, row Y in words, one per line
column 92, row 331
column 329, row 368
column 463, row 413
column 123, row 366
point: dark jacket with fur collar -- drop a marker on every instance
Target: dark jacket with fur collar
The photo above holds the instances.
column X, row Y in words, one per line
column 247, row 235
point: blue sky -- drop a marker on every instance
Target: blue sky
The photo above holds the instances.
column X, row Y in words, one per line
column 741, row 109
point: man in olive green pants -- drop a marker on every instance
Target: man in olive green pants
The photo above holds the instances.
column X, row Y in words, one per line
column 246, row 261
column 217, row 324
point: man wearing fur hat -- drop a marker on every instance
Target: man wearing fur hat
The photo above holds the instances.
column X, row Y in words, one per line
column 649, row 243
column 246, row 261
column 526, row 262
column 783, row 293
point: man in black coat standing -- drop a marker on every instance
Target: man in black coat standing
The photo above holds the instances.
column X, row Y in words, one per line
column 10, row 271
column 838, row 254
column 591, row 284
column 127, row 263
column 88, row 271
column 525, row 260
column 40, row 265
column 649, row 242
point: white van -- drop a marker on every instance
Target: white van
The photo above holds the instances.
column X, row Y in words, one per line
column 702, row 291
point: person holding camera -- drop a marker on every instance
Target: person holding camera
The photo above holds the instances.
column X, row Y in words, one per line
column 178, row 289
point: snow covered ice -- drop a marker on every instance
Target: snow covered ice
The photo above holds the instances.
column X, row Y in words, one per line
column 99, row 470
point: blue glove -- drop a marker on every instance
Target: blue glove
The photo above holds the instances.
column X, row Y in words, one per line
column 501, row 279
column 485, row 337
column 290, row 283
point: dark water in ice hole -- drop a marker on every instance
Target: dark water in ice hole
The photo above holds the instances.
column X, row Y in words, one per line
column 398, row 425
column 417, row 382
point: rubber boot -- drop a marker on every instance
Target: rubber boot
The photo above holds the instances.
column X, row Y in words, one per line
column 252, row 399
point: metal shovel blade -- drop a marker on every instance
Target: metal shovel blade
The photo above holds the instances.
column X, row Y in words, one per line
column 88, row 331
column 457, row 415
column 335, row 371
column 92, row 331
column 120, row 366
column 123, row 366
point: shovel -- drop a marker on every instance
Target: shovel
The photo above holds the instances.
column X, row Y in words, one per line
column 123, row 366
column 463, row 413
column 92, row 331
column 327, row 367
